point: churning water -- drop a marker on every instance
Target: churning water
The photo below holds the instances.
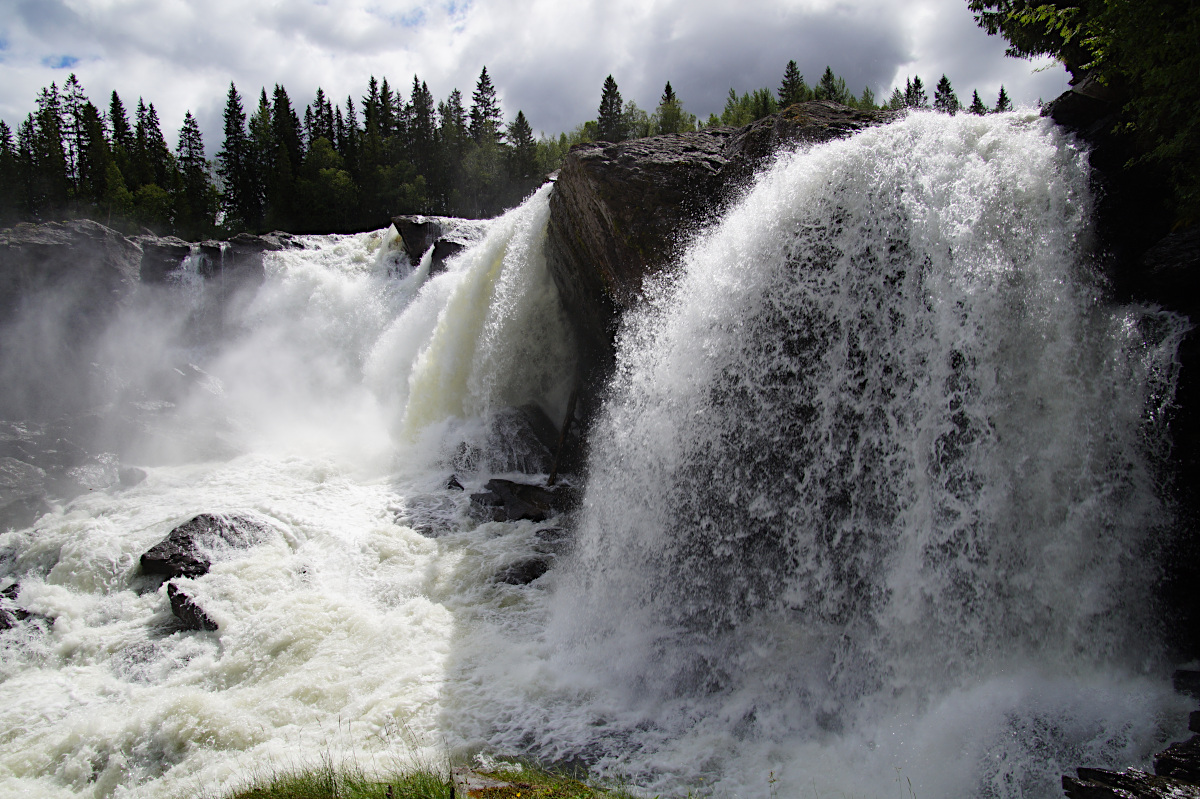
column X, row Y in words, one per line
column 871, row 510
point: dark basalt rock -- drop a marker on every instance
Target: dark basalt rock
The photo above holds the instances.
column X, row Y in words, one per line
column 11, row 614
column 520, row 439
column 419, row 233
column 184, row 608
column 1094, row 783
column 621, row 212
column 1180, row 760
column 102, row 269
column 185, row 552
column 161, row 257
column 524, row 572
column 443, row 250
column 507, row 501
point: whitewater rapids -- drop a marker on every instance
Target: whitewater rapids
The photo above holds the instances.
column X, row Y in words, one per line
column 871, row 508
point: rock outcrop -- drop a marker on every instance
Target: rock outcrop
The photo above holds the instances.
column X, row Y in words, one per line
column 622, row 212
column 186, row 551
column 508, row 501
column 419, row 233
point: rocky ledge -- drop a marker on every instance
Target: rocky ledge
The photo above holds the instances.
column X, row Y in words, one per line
column 621, row 212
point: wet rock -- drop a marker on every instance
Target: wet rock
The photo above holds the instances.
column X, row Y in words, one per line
column 448, row 237
column 1187, row 682
column 431, row 515
column 1093, row 783
column 23, row 489
column 1194, row 721
column 161, row 257
column 1180, row 760
column 11, row 614
column 553, row 540
column 518, row 439
column 507, row 501
column 418, row 234
column 524, row 572
column 453, row 485
column 444, row 250
column 186, row 551
column 184, row 607
column 91, row 267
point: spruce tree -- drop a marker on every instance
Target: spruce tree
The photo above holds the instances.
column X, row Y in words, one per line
column 670, row 117
column 832, row 88
column 1002, row 102
column 944, row 98
column 977, row 106
column 609, row 122
column 486, row 117
column 524, row 148
column 195, row 204
column 793, row 89
column 914, row 94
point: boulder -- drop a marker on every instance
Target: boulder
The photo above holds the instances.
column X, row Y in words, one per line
column 161, row 257
column 622, row 212
column 520, row 439
column 184, row 608
column 447, row 236
column 93, row 266
column 508, row 501
column 11, row 614
column 1094, row 783
column 524, row 572
column 187, row 551
column 418, row 233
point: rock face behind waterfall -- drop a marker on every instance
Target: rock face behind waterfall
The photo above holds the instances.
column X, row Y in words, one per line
column 621, row 212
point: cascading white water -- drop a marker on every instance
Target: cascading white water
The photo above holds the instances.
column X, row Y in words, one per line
column 869, row 512
column 875, row 489
column 338, row 626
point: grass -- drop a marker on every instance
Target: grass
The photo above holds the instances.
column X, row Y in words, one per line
column 330, row 782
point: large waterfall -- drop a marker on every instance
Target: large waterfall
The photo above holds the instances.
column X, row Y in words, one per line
column 872, row 507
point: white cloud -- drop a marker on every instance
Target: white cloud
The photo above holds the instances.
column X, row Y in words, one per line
column 547, row 57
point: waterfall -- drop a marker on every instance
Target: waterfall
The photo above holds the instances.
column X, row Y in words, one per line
column 872, row 507
column 881, row 448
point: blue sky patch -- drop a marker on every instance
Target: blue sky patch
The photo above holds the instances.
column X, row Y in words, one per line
column 60, row 61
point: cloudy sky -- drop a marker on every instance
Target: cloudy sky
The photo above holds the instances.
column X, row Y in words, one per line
column 546, row 57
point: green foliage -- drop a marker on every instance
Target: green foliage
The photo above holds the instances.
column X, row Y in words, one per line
column 670, row 117
column 977, row 106
column 793, row 89
column 486, row 117
column 1003, row 104
column 1147, row 51
column 944, row 98
column 914, row 94
column 610, row 125
column 749, row 107
column 831, row 87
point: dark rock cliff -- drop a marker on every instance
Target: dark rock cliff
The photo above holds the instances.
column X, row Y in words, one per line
column 621, row 212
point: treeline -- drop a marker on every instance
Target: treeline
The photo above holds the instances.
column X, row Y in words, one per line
column 331, row 167
column 617, row 120
column 339, row 166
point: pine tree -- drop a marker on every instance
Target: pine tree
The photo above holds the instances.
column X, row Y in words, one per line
column 195, row 204
column 944, row 98
column 832, row 88
column 486, row 118
column 866, row 100
column 897, row 101
column 670, row 117
column 914, row 94
column 524, row 148
column 793, row 89
column 235, row 167
column 9, row 179
column 73, row 100
column 1002, row 102
column 50, row 186
column 609, row 124
column 977, row 106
